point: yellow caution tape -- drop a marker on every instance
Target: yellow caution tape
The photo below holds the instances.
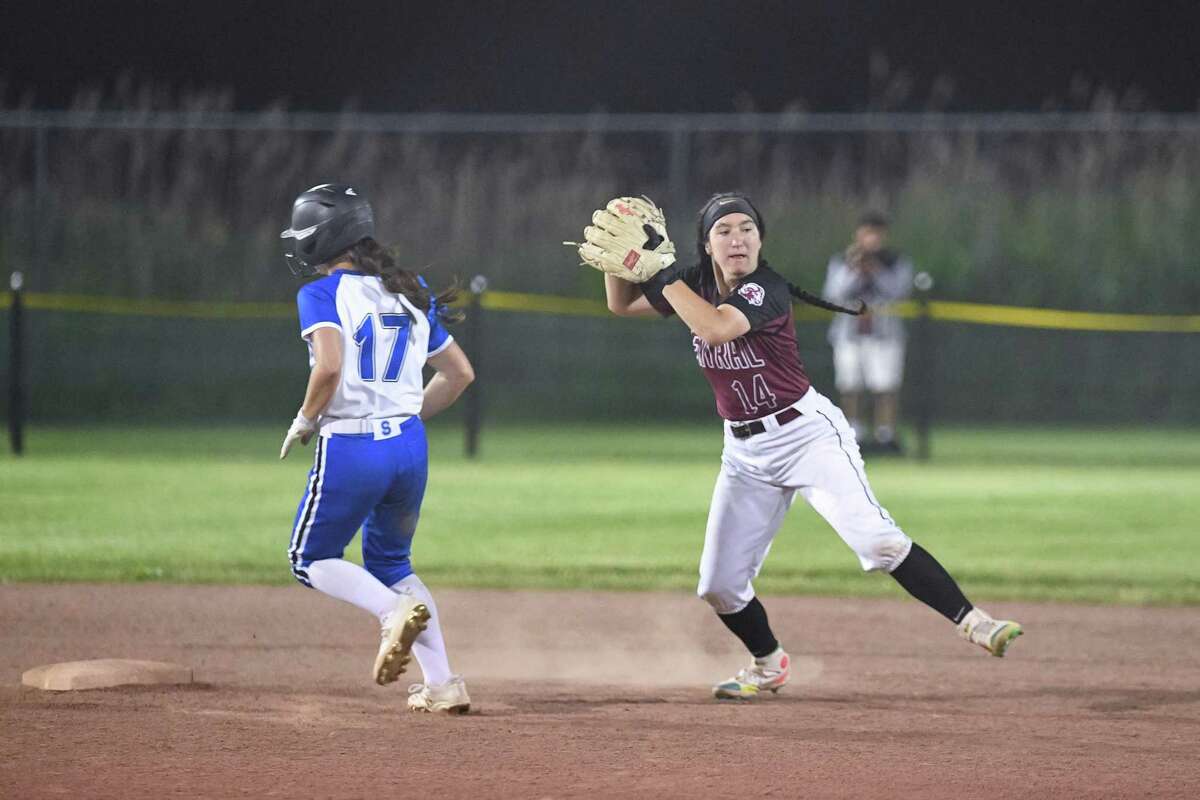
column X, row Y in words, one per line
column 1019, row 317
column 981, row 314
column 91, row 304
column 544, row 304
column 941, row 310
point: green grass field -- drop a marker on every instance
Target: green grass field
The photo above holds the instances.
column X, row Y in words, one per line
column 1107, row 516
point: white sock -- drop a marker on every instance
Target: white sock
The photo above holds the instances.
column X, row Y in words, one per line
column 348, row 581
column 973, row 617
column 775, row 660
column 430, row 647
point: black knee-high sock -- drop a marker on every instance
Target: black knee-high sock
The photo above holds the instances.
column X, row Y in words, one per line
column 925, row 579
column 751, row 626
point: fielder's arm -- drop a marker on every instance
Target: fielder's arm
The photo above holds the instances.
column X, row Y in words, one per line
column 626, row 299
column 326, row 372
column 715, row 325
column 454, row 374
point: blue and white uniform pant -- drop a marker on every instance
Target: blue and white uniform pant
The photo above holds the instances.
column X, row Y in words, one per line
column 358, row 481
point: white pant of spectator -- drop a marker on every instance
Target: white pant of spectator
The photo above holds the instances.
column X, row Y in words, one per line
column 870, row 363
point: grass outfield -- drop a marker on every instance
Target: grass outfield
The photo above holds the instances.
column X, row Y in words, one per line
column 1090, row 515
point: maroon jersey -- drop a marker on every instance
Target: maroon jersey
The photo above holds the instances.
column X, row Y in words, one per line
column 760, row 372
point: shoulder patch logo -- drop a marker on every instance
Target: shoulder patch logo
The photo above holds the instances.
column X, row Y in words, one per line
column 753, row 293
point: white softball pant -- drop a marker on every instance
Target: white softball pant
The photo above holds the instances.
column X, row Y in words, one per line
column 816, row 456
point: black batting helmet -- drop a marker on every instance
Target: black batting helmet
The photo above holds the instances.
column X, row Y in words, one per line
column 327, row 220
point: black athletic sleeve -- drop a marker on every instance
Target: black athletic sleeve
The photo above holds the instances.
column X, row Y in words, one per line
column 690, row 276
column 763, row 297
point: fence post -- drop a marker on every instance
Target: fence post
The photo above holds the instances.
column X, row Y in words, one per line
column 16, row 366
column 474, row 399
column 679, row 150
column 41, row 179
column 926, row 394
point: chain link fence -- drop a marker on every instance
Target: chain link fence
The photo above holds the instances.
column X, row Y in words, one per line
column 1076, row 211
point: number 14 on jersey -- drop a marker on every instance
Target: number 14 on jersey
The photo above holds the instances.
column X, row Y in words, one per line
column 763, row 396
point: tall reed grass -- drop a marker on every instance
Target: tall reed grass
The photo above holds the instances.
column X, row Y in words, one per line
column 1100, row 220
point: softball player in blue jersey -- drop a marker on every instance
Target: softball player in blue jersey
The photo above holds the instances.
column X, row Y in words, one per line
column 371, row 327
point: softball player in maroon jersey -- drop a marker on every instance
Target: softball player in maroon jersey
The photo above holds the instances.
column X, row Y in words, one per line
column 783, row 438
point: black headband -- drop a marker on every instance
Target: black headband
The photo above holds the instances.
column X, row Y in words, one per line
column 724, row 207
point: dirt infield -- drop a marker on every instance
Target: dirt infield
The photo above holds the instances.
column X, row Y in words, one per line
column 595, row 695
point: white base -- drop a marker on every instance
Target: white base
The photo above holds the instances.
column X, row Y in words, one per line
column 103, row 673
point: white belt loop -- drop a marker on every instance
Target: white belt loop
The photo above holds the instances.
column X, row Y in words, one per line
column 380, row 428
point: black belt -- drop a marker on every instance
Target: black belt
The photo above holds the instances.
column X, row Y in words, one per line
column 748, row 429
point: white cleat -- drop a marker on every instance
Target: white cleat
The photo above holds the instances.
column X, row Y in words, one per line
column 768, row 674
column 449, row 698
column 400, row 629
column 993, row 635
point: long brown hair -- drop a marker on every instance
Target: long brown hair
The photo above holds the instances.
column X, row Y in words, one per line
column 374, row 259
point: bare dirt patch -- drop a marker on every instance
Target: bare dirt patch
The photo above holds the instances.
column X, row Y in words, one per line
column 595, row 695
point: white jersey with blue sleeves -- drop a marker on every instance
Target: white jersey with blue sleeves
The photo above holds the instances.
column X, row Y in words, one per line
column 385, row 343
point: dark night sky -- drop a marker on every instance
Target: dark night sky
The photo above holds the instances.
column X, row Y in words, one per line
column 617, row 55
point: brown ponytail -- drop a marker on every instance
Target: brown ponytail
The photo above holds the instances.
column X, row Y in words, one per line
column 374, row 259
column 821, row 302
